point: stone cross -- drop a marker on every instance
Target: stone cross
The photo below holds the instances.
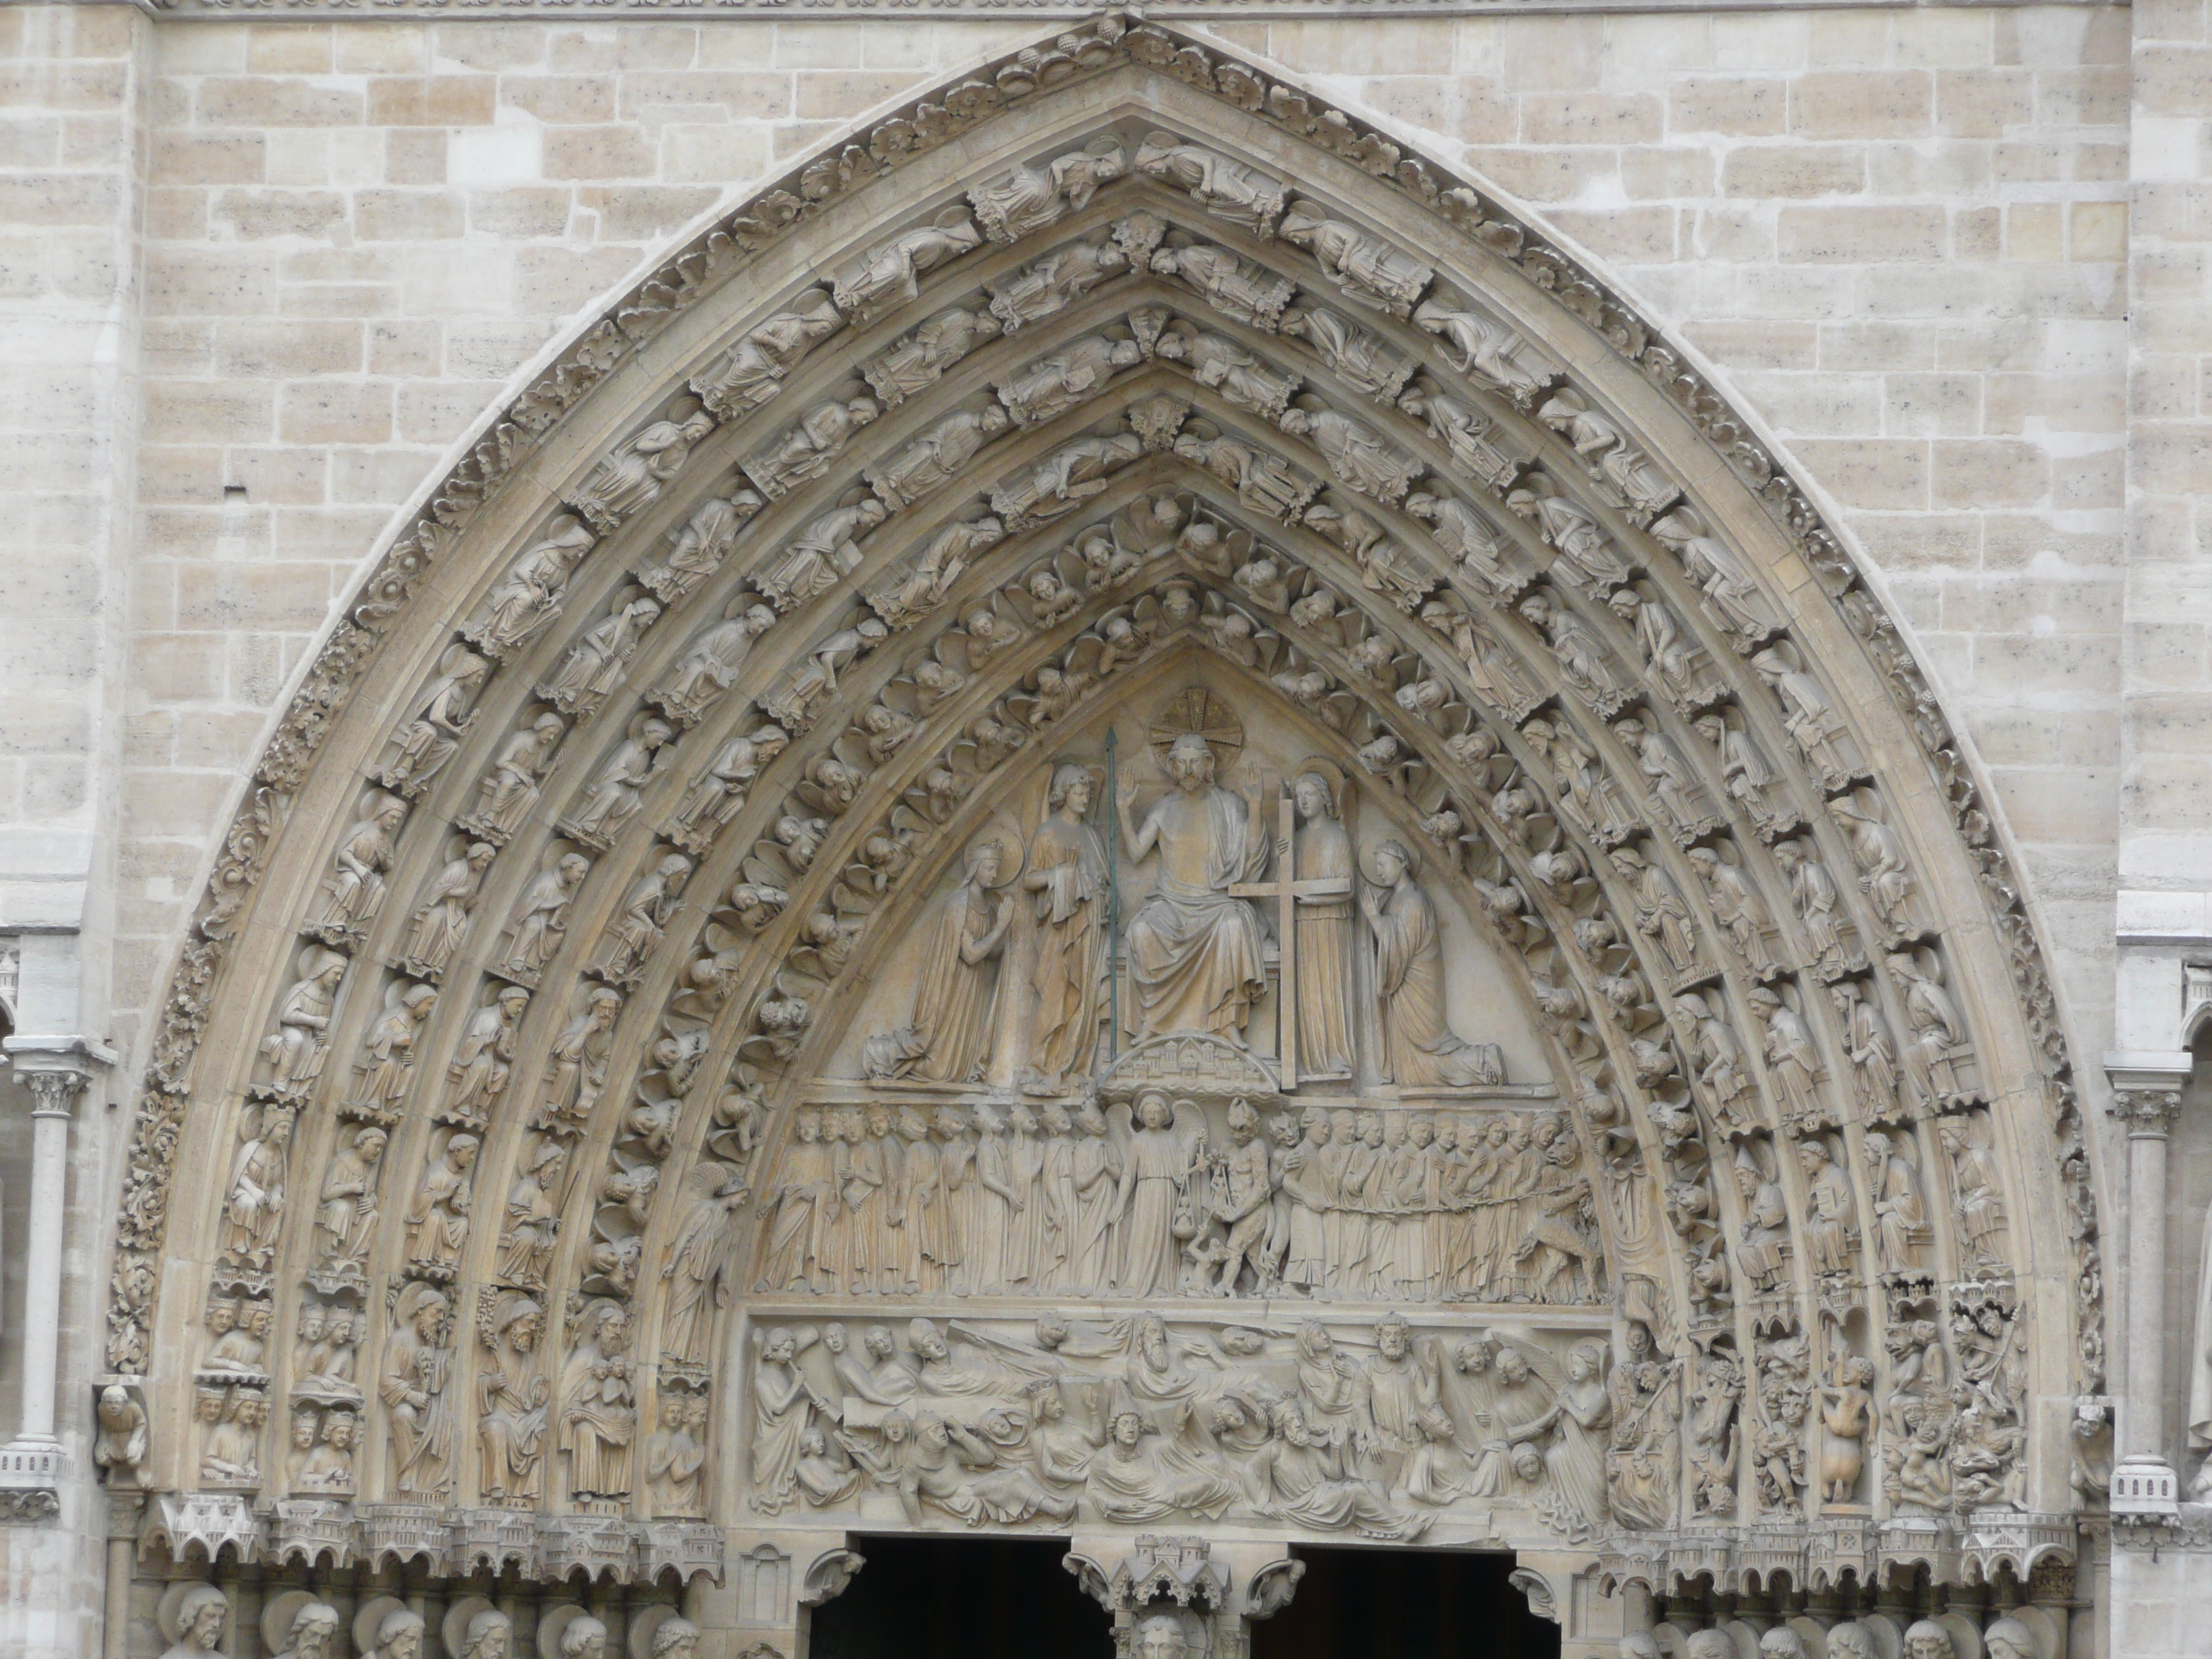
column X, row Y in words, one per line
column 1287, row 889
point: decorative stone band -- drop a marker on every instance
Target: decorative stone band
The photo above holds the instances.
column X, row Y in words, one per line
column 1822, row 1554
column 447, row 1541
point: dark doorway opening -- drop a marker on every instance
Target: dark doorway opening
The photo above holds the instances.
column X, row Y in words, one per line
column 962, row 1598
column 1398, row 1603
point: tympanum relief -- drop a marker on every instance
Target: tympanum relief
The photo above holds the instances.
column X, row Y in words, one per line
column 1131, row 864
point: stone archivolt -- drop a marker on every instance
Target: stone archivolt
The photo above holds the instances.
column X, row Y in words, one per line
column 562, row 919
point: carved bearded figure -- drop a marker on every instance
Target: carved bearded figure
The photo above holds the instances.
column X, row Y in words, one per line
column 1195, row 951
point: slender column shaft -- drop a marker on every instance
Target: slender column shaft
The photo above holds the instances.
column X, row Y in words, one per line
column 54, row 1094
column 2149, row 1113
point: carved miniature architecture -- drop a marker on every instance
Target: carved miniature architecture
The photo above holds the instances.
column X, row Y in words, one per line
column 1122, row 819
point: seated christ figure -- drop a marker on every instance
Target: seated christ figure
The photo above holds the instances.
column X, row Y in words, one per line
column 1195, row 951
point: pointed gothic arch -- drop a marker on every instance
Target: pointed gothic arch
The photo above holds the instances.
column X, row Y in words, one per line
column 556, row 899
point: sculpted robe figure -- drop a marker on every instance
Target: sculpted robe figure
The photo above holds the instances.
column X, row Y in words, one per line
column 1366, row 269
column 1419, row 1048
column 753, row 370
column 1159, row 1164
column 345, row 1216
column 711, row 664
column 529, row 596
column 631, row 477
column 1227, row 190
column 1059, row 381
column 700, row 1261
column 696, row 550
column 889, row 274
column 1359, row 357
column 1194, row 952
column 509, row 790
column 412, row 1385
column 1324, row 935
column 599, row 1421
column 1067, row 872
column 1222, row 365
column 420, row 748
column 443, row 918
column 1237, row 288
column 511, row 1399
column 1032, row 196
column 594, row 663
column 917, row 362
column 1356, row 452
column 819, row 556
column 956, row 1010
column 937, row 455
column 253, row 1215
column 438, row 1219
column 1098, row 1166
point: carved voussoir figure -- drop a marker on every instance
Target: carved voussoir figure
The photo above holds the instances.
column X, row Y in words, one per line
column 529, row 596
column 1366, row 269
column 1219, row 364
column 804, row 450
column 889, row 274
column 384, row 1071
column 1226, row 189
column 617, row 790
column 1489, row 352
column 353, row 893
column 441, row 921
column 1358, row 455
column 540, row 918
column 711, row 664
column 631, row 477
column 599, row 1409
column 1063, row 480
column 918, row 361
column 594, row 665
column 1626, row 472
column 1054, row 283
column 820, row 557
column 1264, row 481
column 696, row 550
column 754, row 370
column 1236, row 286
column 412, row 1381
column 1036, row 195
column 431, row 736
column 936, row 457
column 298, row 1043
column 1054, row 383
column 508, row 792
column 719, row 794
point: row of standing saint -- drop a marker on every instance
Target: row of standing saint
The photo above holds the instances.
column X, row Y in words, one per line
column 1491, row 1206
